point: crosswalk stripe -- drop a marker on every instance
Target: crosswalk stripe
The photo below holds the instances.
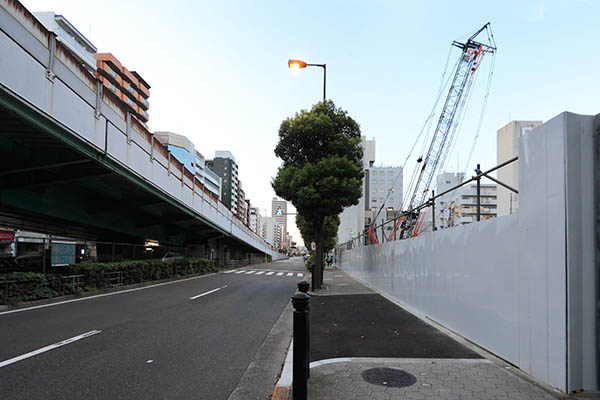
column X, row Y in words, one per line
column 299, row 275
column 250, row 272
column 270, row 273
column 240, row 272
column 290, row 274
column 228, row 272
column 279, row 273
column 260, row 273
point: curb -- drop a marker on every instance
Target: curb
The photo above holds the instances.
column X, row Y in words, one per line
column 284, row 384
column 256, row 381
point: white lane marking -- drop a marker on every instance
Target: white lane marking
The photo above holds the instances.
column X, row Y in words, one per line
column 270, row 273
column 228, row 272
column 260, row 273
column 149, row 361
column 299, row 275
column 102, row 295
column 280, row 273
column 48, row 348
column 290, row 274
column 209, row 292
column 241, row 271
column 250, row 272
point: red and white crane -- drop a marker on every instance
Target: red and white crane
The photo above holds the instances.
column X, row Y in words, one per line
column 471, row 57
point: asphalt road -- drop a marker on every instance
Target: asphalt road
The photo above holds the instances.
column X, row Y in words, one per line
column 153, row 343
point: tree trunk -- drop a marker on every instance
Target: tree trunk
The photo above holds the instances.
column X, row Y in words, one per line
column 317, row 278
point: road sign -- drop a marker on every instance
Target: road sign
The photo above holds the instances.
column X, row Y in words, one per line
column 279, row 211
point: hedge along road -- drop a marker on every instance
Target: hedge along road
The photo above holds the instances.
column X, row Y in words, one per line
column 189, row 339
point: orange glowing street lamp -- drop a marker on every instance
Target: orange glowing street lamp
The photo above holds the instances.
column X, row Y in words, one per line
column 297, row 64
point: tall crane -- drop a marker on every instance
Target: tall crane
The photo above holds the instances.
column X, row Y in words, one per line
column 472, row 54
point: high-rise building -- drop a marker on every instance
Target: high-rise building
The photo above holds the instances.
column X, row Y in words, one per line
column 272, row 232
column 255, row 220
column 127, row 85
column 67, row 34
column 243, row 212
column 279, row 211
column 384, row 191
column 182, row 149
column 507, row 148
column 224, row 165
column 352, row 219
column 459, row 206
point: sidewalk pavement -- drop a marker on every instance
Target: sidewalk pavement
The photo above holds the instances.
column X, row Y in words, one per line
column 370, row 348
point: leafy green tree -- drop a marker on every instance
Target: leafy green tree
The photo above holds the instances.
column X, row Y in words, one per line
column 321, row 173
column 330, row 228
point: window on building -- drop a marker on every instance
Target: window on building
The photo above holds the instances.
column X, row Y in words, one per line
column 112, row 73
column 112, row 87
column 129, row 87
column 129, row 102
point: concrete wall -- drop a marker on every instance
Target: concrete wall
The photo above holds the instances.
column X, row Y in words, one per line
column 523, row 285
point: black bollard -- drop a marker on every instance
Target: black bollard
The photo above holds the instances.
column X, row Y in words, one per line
column 300, row 362
column 303, row 287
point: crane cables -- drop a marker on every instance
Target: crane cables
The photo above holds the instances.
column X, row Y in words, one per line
column 483, row 108
column 427, row 124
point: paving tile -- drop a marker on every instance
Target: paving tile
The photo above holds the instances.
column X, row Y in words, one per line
column 438, row 379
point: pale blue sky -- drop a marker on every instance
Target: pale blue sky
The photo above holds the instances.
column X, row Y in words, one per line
column 219, row 75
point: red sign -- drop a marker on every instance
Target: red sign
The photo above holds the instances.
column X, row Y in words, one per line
column 7, row 235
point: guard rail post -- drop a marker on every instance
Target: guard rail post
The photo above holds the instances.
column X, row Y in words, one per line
column 478, row 171
column 433, row 210
column 303, row 287
column 300, row 363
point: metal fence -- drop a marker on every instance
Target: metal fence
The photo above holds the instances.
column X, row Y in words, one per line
column 392, row 229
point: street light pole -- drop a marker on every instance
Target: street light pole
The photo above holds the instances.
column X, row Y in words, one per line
column 301, row 64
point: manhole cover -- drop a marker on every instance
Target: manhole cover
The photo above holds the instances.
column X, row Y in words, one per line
column 389, row 377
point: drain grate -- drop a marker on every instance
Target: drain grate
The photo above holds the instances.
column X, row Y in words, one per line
column 389, row 377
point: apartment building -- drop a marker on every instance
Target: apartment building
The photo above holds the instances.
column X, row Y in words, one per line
column 255, row 220
column 225, row 167
column 383, row 191
column 459, row 207
column 182, row 149
column 127, row 85
column 77, row 44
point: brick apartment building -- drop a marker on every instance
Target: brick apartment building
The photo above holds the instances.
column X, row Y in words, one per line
column 127, row 85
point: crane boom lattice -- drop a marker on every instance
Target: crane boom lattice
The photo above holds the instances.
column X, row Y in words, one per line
column 472, row 53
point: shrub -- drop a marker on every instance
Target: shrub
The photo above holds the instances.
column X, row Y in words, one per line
column 27, row 286
column 310, row 261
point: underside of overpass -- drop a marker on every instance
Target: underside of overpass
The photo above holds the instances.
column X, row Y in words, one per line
column 51, row 182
